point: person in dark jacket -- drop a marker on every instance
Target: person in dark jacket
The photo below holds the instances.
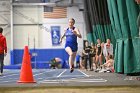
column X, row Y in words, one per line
column 3, row 50
column 87, row 55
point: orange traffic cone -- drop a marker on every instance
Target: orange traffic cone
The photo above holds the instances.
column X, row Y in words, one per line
column 26, row 75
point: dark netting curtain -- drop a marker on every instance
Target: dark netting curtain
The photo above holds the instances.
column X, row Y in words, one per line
column 97, row 20
column 115, row 19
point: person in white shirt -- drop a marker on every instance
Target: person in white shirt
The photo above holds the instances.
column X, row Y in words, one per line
column 108, row 49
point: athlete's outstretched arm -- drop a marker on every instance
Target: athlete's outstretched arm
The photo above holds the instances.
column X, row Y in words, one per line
column 62, row 37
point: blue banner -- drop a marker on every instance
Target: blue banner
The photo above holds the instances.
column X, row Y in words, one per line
column 55, row 35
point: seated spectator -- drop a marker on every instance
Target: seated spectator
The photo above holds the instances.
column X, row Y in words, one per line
column 55, row 63
column 109, row 63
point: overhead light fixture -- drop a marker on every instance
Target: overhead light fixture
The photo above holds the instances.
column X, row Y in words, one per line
column 17, row 0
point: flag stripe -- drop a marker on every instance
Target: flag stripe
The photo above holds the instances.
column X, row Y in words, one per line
column 58, row 12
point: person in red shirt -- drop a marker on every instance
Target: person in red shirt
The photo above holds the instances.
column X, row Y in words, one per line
column 3, row 49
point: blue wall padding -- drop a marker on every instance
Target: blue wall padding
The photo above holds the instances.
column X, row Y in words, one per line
column 43, row 55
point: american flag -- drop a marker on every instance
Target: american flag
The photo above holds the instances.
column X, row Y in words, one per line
column 57, row 12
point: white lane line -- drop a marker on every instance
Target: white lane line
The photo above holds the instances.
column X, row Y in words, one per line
column 97, row 81
column 80, row 80
column 11, row 70
column 72, row 76
column 42, row 73
column 69, row 81
column 49, row 82
column 19, row 74
column 84, row 73
column 61, row 73
column 42, row 70
column 8, row 81
column 52, row 80
column 40, row 78
column 8, row 75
